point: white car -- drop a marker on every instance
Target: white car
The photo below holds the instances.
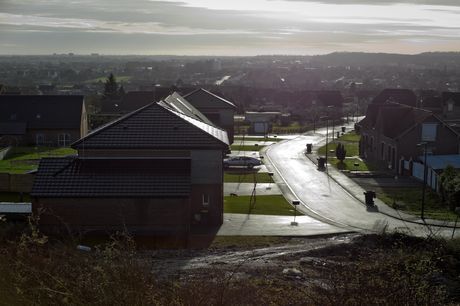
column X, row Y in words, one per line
column 244, row 161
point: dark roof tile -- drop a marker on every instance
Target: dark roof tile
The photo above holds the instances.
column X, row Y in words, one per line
column 42, row 112
column 74, row 177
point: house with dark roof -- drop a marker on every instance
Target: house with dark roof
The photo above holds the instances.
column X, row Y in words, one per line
column 157, row 170
column 451, row 105
column 397, row 95
column 217, row 109
column 391, row 132
column 42, row 120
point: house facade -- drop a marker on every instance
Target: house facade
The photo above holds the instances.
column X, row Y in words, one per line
column 42, row 120
column 218, row 110
column 392, row 133
column 155, row 170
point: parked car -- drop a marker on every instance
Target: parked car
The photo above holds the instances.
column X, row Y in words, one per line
column 244, row 161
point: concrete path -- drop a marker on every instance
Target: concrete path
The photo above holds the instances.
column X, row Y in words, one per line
column 261, row 225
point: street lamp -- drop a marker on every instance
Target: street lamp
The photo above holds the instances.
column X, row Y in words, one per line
column 327, row 134
column 423, row 144
column 330, row 107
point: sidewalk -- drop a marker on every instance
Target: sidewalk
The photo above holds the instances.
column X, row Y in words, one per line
column 357, row 192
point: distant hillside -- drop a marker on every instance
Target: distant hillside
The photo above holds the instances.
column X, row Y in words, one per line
column 431, row 59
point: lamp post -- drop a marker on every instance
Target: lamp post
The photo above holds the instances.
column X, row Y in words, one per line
column 424, row 145
column 327, row 134
column 328, row 108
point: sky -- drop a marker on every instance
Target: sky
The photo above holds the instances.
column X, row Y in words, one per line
column 228, row 27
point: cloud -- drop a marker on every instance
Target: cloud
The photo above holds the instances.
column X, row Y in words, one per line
column 232, row 27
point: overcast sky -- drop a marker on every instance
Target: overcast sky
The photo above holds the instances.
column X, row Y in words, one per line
column 228, row 27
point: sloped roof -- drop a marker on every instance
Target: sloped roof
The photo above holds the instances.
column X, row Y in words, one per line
column 74, row 177
column 42, row 112
column 397, row 95
column 394, row 119
column 179, row 104
column 432, row 102
column 201, row 98
column 154, row 126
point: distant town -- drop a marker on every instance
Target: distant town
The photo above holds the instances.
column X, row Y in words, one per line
column 175, row 152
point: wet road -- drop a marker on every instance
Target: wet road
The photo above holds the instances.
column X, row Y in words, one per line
column 322, row 197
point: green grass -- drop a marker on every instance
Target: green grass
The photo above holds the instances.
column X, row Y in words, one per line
column 245, row 148
column 350, row 137
column 265, row 205
column 23, row 159
column 262, row 177
column 348, row 164
column 351, row 148
column 13, row 197
column 409, row 200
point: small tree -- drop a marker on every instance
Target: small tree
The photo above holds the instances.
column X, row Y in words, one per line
column 450, row 186
column 111, row 91
column 340, row 152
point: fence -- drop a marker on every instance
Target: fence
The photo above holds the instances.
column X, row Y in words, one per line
column 432, row 177
column 16, row 182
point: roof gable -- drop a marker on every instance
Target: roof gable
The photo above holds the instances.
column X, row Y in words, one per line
column 154, row 127
column 201, row 98
column 179, row 104
column 42, row 112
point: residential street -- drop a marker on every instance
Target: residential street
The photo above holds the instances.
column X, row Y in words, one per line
column 323, row 198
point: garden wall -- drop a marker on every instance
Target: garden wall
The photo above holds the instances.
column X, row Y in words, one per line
column 16, row 182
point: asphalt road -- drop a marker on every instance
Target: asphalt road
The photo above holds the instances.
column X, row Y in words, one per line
column 323, row 198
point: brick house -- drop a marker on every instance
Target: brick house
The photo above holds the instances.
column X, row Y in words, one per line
column 217, row 109
column 155, row 170
column 42, row 120
column 390, row 133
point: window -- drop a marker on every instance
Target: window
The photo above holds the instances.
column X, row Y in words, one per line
column 64, row 140
column 39, row 139
column 205, row 199
column 429, row 131
column 450, row 106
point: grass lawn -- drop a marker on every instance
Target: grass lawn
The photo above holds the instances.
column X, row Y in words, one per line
column 245, row 177
column 348, row 164
column 23, row 159
column 13, row 197
column 245, row 148
column 265, row 205
column 409, row 200
column 350, row 137
column 351, row 148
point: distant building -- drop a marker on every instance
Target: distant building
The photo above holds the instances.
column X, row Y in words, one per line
column 397, row 95
column 42, row 120
column 217, row 109
column 316, row 103
column 156, row 170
